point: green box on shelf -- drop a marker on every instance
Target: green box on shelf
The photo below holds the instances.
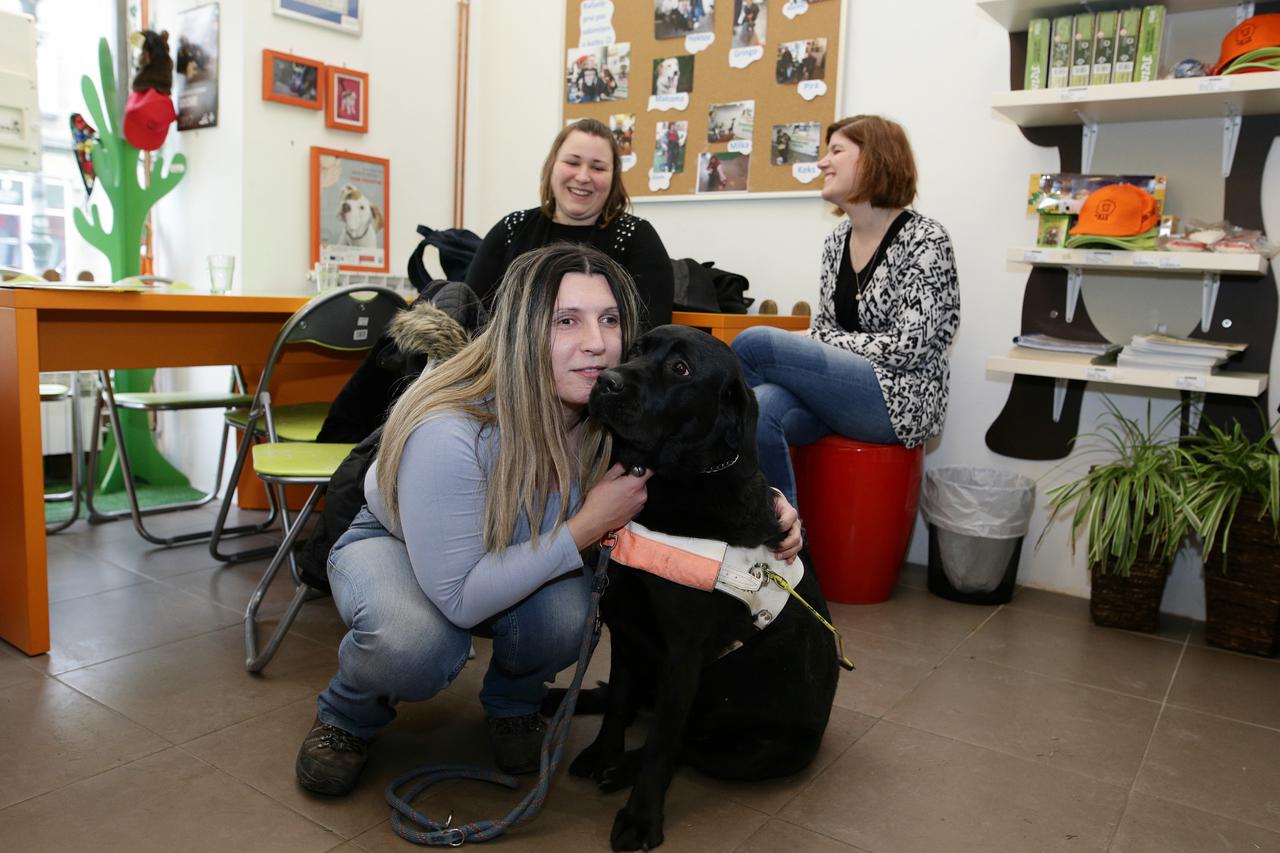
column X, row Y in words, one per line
column 1104, row 47
column 1082, row 49
column 1037, row 72
column 1150, row 44
column 1060, row 53
column 1126, row 46
column 1053, row 229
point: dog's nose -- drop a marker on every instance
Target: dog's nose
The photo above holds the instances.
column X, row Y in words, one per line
column 609, row 382
column 345, row 207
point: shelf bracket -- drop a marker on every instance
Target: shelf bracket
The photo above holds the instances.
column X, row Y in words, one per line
column 1075, row 277
column 1230, row 136
column 1088, row 137
column 1243, row 10
column 1208, row 298
column 1059, row 398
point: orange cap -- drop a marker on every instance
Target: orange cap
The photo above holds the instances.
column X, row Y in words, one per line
column 1117, row 210
column 1249, row 34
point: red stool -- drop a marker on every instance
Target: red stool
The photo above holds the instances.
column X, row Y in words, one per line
column 858, row 501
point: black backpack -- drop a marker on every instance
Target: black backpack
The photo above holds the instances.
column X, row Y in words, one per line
column 702, row 287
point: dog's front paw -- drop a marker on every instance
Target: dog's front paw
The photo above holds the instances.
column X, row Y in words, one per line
column 591, row 762
column 636, row 832
column 621, row 772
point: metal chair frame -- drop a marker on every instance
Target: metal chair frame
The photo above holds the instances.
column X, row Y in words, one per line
column 77, row 460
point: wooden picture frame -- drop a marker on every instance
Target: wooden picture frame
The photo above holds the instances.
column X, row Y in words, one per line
column 293, row 80
column 350, row 209
column 346, row 99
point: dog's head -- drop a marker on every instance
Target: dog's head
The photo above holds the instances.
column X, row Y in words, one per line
column 678, row 405
column 357, row 213
column 668, row 75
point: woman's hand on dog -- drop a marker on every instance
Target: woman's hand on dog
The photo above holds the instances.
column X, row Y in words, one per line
column 610, row 504
column 788, row 520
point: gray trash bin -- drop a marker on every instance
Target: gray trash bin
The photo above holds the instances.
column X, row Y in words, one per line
column 977, row 518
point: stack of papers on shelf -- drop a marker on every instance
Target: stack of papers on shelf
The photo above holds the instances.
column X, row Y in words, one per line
column 1185, row 355
column 1049, row 342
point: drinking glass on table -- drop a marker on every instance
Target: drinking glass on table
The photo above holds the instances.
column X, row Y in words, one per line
column 222, row 270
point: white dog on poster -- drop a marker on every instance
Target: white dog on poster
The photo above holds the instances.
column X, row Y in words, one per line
column 361, row 221
column 668, row 79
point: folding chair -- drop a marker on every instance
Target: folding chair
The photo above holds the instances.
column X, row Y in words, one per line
column 349, row 319
column 51, row 393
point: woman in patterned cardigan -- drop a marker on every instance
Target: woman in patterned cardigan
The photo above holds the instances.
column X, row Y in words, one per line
column 873, row 365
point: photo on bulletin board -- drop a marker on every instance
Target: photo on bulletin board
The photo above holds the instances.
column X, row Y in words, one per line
column 669, row 146
column 293, row 80
column 342, row 15
column 723, row 171
column 672, row 74
column 750, row 22
column 195, row 66
column 727, row 122
column 623, row 128
column 346, row 99
column 675, row 19
column 598, row 73
column 799, row 61
column 795, row 143
column 349, row 209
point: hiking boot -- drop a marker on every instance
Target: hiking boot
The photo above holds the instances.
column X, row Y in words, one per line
column 330, row 760
column 517, row 742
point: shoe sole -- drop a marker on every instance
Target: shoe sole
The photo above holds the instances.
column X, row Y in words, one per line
column 326, row 786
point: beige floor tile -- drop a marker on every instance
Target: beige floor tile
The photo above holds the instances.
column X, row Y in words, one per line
column 913, row 616
column 16, row 666
column 189, row 688
column 914, row 575
column 899, row 789
column 231, row 585
column 166, row 802
column 1220, row 766
column 887, row 670
column 95, row 628
column 131, row 552
column 778, row 836
column 1171, row 627
column 1077, row 651
column 1233, row 685
column 73, row 573
column 1063, row 725
column 1152, row 825
column 51, row 736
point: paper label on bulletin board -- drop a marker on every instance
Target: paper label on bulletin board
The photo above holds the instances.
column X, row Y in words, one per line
column 741, row 57
column 697, row 42
column 794, row 8
column 595, row 24
column 810, row 89
column 742, row 146
column 628, row 162
column 804, row 172
column 659, row 181
column 677, row 101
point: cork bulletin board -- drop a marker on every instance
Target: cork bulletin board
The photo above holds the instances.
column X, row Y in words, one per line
column 708, row 98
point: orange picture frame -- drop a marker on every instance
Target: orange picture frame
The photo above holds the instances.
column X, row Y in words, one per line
column 293, row 80
column 346, row 99
column 350, row 210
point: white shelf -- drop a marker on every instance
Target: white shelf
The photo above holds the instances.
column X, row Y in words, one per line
column 1014, row 15
column 1158, row 100
column 1163, row 263
column 1065, row 365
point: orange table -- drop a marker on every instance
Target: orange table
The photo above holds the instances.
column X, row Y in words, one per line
column 46, row 329
column 727, row 326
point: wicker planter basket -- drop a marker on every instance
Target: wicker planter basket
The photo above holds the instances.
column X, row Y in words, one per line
column 1131, row 602
column 1242, row 606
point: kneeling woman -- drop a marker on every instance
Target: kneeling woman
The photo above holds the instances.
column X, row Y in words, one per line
column 489, row 481
column 873, row 365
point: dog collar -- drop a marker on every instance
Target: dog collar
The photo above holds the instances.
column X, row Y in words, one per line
column 362, row 233
column 722, row 466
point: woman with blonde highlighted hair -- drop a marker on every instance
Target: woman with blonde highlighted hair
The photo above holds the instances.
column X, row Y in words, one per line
column 490, row 480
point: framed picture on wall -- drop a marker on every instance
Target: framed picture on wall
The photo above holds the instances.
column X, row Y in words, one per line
column 195, row 58
column 349, row 209
column 295, row 80
column 346, row 99
column 342, row 15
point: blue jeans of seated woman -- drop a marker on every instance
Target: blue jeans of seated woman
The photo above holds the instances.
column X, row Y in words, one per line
column 401, row 648
column 807, row 389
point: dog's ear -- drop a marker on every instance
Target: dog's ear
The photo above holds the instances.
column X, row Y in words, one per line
column 737, row 410
column 377, row 216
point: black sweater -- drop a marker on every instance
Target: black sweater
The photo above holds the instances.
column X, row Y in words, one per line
column 629, row 240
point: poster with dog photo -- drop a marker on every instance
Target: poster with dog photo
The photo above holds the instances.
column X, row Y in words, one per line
column 802, row 60
column 346, row 99
column 723, row 171
column 598, row 73
column 672, row 74
column 195, row 66
column 675, row 19
column 669, row 145
column 794, row 143
column 349, row 205
column 726, row 122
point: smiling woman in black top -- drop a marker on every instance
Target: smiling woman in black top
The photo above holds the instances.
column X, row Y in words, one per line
column 583, row 201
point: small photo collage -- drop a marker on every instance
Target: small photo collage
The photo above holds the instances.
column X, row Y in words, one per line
column 675, row 19
column 595, row 74
column 795, row 143
column 802, row 60
column 669, row 146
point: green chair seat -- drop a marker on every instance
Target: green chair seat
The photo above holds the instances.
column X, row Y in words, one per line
column 178, row 400
column 299, row 459
column 50, row 391
column 294, row 421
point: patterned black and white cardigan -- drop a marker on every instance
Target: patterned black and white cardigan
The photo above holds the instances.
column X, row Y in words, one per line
column 910, row 311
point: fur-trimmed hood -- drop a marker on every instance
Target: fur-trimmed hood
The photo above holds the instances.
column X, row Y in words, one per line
column 426, row 330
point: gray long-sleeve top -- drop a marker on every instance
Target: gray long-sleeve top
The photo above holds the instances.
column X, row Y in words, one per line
column 443, row 479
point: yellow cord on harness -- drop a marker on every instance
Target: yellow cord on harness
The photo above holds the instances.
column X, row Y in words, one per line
column 782, row 582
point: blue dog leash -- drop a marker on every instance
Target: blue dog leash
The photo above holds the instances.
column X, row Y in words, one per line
column 414, row 826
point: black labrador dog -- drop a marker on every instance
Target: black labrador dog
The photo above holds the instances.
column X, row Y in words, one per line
column 680, row 407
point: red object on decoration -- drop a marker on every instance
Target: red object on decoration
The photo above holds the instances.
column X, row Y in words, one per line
column 858, row 501
column 147, row 116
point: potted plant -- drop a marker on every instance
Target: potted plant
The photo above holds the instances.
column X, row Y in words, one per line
column 1233, row 485
column 1133, row 504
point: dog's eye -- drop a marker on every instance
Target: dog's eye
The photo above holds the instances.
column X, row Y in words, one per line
column 679, row 368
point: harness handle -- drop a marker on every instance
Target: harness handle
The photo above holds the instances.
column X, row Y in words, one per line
column 845, row 663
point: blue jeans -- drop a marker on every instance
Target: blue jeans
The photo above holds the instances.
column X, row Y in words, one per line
column 807, row 389
column 401, row 648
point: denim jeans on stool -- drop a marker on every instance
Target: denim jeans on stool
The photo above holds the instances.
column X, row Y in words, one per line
column 807, row 389
column 401, row 648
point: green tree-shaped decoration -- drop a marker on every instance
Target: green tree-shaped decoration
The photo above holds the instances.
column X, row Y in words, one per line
column 115, row 162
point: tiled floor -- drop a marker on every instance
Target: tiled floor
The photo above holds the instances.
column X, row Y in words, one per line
column 1016, row 728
